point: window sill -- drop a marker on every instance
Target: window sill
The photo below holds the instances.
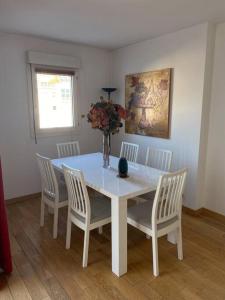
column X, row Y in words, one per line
column 56, row 132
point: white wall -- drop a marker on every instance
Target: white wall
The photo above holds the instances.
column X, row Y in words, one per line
column 215, row 164
column 185, row 52
column 189, row 52
column 209, row 62
column 17, row 148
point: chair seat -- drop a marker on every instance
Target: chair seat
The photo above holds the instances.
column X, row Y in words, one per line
column 142, row 214
column 148, row 196
column 100, row 210
column 63, row 195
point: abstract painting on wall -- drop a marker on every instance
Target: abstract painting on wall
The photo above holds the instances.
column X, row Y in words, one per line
column 147, row 97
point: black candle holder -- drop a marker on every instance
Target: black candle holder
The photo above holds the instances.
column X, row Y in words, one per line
column 109, row 91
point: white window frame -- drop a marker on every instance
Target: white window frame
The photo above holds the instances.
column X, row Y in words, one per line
column 34, row 109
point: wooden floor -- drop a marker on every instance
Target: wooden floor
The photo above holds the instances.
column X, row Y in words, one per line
column 44, row 270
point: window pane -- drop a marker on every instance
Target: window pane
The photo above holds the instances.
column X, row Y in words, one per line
column 55, row 100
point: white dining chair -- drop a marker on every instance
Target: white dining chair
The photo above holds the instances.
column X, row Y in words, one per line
column 163, row 215
column 159, row 159
column 129, row 151
column 68, row 149
column 85, row 213
column 53, row 194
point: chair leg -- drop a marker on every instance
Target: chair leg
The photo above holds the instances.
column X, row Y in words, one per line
column 68, row 233
column 86, row 246
column 55, row 222
column 42, row 218
column 155, row 256
column 179, row 243
column 100, row 230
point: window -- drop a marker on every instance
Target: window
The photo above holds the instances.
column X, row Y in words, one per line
column 54, row 99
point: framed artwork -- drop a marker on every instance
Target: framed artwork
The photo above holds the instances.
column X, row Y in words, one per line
column 147, row 98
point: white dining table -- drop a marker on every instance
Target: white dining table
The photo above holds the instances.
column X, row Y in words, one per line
column 142, row 179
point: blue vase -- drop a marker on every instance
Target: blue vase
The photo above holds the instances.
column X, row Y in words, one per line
column 123, row 167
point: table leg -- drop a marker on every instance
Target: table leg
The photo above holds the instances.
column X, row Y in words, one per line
column 119, row 235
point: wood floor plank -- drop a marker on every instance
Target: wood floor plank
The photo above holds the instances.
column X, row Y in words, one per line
column 34, row 285
column 17, row 287
column 44, row 270
column 5, row 293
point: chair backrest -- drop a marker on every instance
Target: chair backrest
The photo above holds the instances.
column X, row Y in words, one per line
column 48, row 179
column 78, row 197
column 129, row 151
column 68, row 149
column 168, row 198
column 159, row 159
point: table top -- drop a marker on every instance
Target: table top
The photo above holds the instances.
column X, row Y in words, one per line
column 142, row 179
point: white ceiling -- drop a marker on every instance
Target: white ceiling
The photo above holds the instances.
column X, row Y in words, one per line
column 105, row 23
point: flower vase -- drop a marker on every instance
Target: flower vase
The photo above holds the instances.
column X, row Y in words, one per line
column 106, row 150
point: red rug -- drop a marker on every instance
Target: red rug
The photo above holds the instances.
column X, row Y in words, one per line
column 5, row 253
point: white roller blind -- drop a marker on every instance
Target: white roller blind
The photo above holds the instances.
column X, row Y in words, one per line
column 54, row 60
